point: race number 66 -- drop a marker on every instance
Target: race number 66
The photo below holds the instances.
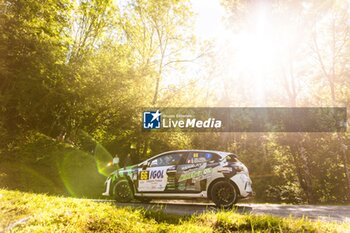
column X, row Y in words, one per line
column 144, row 175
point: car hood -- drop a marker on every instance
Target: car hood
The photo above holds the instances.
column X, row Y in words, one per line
column 125, row 170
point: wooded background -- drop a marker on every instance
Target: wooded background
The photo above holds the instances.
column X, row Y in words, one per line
column 74, row 75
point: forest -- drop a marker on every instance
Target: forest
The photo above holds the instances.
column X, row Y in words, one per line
column 74, row 76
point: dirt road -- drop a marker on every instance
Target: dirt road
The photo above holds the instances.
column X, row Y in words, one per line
column 315, row 212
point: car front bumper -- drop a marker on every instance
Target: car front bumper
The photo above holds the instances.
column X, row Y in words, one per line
column 243, row 183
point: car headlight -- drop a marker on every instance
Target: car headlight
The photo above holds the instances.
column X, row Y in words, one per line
column 225, row 170
column 238, row 168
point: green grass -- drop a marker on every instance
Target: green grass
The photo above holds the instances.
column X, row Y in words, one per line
column 28, row 212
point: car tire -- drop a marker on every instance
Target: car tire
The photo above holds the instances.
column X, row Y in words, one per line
column 122, row 191
column 224, row 194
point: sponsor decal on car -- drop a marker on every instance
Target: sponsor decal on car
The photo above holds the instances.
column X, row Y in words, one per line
column 192, row 166
column 154, row 179
column 195, row 174
column 157, row 174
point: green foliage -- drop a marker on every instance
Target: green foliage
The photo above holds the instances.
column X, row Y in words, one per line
column 33, row 52
column 46, row 166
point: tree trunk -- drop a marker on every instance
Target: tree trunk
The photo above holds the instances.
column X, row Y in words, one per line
column 300, row 160
column 346, row 169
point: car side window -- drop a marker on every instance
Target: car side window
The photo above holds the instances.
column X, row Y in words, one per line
column 201, row 157
column 167, row 160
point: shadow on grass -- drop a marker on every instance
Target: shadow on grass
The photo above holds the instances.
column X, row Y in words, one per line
column 161, row 217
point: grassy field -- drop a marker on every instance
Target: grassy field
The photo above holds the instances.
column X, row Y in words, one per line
column 28, row 212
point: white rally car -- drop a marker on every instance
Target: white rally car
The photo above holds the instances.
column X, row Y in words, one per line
column 214, row 175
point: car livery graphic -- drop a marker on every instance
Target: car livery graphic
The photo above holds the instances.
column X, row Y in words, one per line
column 182, row 174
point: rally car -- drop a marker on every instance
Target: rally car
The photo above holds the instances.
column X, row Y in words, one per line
column 214, row 175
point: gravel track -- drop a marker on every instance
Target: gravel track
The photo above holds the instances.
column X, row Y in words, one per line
column 314, row 212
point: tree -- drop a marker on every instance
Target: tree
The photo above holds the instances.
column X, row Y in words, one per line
column 332, row 62
column 33, row 52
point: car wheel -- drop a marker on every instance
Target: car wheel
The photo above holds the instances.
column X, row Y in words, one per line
column 122, row 191
column 224, row 194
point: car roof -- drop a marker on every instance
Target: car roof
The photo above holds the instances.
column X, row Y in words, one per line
column 220, row 153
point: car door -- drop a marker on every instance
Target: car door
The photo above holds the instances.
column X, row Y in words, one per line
column 159, row 174
column 193, row 174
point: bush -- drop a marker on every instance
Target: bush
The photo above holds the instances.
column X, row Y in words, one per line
column 44, row 165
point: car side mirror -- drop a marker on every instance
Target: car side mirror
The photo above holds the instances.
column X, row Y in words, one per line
column 144, row 166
